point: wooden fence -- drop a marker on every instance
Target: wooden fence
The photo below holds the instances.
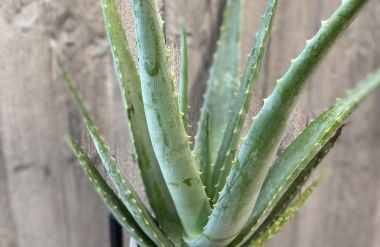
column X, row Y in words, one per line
column 45, row 200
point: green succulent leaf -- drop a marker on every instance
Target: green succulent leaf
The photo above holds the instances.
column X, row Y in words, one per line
column 221, row 92
column 114, row 204
column 298, row 156
column 130, row 87
column 258, row 150
column 183, row 99
column 286, row 199
column 231, row 137
column 169, row 139
column 126, row 192
column 280, row 222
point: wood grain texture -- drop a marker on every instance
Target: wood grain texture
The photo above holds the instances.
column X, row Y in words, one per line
column 49, row 202
column 46, row 200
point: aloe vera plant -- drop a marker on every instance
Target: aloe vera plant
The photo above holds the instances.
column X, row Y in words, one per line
column 225, row 190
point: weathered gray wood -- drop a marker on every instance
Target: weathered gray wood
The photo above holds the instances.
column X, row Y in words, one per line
column 46, row 200
column 50, row 202
column 8, row 235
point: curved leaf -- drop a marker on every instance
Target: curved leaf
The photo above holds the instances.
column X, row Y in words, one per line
column 114, row 204
column 293, row 190
column 221, row 92
column 126, row 192
column 130, row 87
column 183, row 99
column 285, row 217
column 169, row 139
column 231, row 138
column 298, row 155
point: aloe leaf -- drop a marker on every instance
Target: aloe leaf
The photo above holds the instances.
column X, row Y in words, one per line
column 221, row 92
column 130, row 87
column 257, row 154
column 126, row 192
column 295, row 187
column 169, row 139
column 114, row 204
column 287, row 197
column 231, row 137
column 278, row 224
column 296, row 158
column 183, row 99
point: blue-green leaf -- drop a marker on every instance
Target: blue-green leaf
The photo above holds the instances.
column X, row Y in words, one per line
column 293, row 190
column 284, row 218
column 231, row 137
column 114, row 204
column 183, row 99
column 298, row 155
column 125, row 190
column 130, row 86
column 167, row 132
column 221, row 92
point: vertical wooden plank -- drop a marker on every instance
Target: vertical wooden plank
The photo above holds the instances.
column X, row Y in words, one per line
column 52, row 203
column 8, row 235
column 24, row 84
